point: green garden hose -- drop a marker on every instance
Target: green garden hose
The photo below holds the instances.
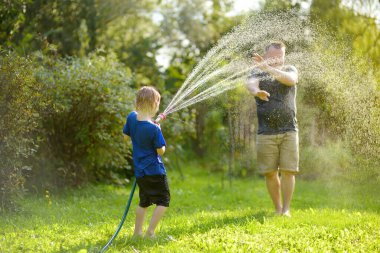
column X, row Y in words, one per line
column 122, row 219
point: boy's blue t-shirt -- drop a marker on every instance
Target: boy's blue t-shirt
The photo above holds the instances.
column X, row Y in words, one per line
column 146, row 138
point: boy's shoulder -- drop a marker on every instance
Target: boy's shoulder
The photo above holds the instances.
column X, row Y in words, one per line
column 132, row 114
column 132, row 117
column 149, row 129
column 153, row 126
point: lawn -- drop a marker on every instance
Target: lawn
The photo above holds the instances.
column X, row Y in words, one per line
column 205, row 216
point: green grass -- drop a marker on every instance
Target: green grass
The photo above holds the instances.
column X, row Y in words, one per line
column 203, row 217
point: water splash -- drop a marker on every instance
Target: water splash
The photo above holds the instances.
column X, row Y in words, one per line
column 228, row 64
column 341, row 85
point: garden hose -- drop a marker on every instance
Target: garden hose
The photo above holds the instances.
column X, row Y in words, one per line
column 122, row 219
column 160, row 117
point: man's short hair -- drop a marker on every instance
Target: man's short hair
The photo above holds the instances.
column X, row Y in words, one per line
column 275, row 44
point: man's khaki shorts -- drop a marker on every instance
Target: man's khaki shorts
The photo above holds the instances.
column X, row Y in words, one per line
column 277, row 152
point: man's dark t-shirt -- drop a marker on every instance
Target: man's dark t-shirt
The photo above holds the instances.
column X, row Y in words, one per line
column 278, row 115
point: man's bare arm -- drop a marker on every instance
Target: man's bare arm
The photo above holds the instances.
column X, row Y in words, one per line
column 253, row 87
column 288, row 78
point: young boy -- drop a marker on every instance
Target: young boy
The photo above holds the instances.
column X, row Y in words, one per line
column 148, row 147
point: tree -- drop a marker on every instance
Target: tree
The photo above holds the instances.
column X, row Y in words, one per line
column 360, row 32
column 34, row 24
column 191, row 28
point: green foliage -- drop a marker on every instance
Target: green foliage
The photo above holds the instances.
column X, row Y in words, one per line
column 61, row 121
column 61, row 117
column 21, row 101
column 194, row 26
column 82, row 128
column 282, row 5
column 135, row 39
column 345, row 94
column 338, row 109
column 357, row 31
column 203, row 217
column 190, row 29
column 235, row 133
column 326, row 162
column 34, row 25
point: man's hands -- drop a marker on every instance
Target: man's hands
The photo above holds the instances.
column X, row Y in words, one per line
column 273, row 66
column 263, row 95
column 260, row 62
column 253, row 86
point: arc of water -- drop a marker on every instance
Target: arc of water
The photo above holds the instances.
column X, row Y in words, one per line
column 211, row 93
column 222, row 85
column 182, row 92
column 195, row 77
column 199, row 83
column 231, row 46
column 223, row 44
column 230, row 50
column 212, row 52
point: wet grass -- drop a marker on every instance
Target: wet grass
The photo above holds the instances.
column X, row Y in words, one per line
column 203, row 217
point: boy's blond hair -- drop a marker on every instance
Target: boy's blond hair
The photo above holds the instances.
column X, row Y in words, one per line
column 146, row 99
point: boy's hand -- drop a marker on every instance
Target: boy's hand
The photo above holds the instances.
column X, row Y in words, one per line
column 263, row 95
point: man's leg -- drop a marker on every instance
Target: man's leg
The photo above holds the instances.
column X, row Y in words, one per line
column 140, row 216
column 289, row 159
column 268, row 160
column 274, row 187
column 157, row 214
column 287, row 188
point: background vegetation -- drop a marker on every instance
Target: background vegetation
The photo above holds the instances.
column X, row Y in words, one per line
column 69, row 71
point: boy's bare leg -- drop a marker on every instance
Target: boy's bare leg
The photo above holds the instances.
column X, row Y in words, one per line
column 287, row 187
column 140, row 216
column 156, row 216
column 274, row 187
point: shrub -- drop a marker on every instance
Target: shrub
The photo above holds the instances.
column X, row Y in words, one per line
column 21, row 100
column 90, row 98
column 61, row 121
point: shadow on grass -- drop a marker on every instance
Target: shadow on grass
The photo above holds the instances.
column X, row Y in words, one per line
column 164, row 237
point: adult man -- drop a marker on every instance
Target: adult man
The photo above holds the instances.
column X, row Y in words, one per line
column 274, row 87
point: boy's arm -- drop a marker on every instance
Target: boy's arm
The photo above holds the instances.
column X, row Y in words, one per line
column 161, row 151
column 126, row 130
column 159, row 141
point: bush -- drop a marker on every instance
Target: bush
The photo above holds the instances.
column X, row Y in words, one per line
column 61, row 121
column 326, row 162
column 21, row 100
column 90, row 98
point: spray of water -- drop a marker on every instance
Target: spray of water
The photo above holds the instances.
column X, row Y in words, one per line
column 340, row 85
column 227, row 65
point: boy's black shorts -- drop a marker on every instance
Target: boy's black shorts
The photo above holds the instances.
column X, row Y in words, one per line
column 153, row 190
